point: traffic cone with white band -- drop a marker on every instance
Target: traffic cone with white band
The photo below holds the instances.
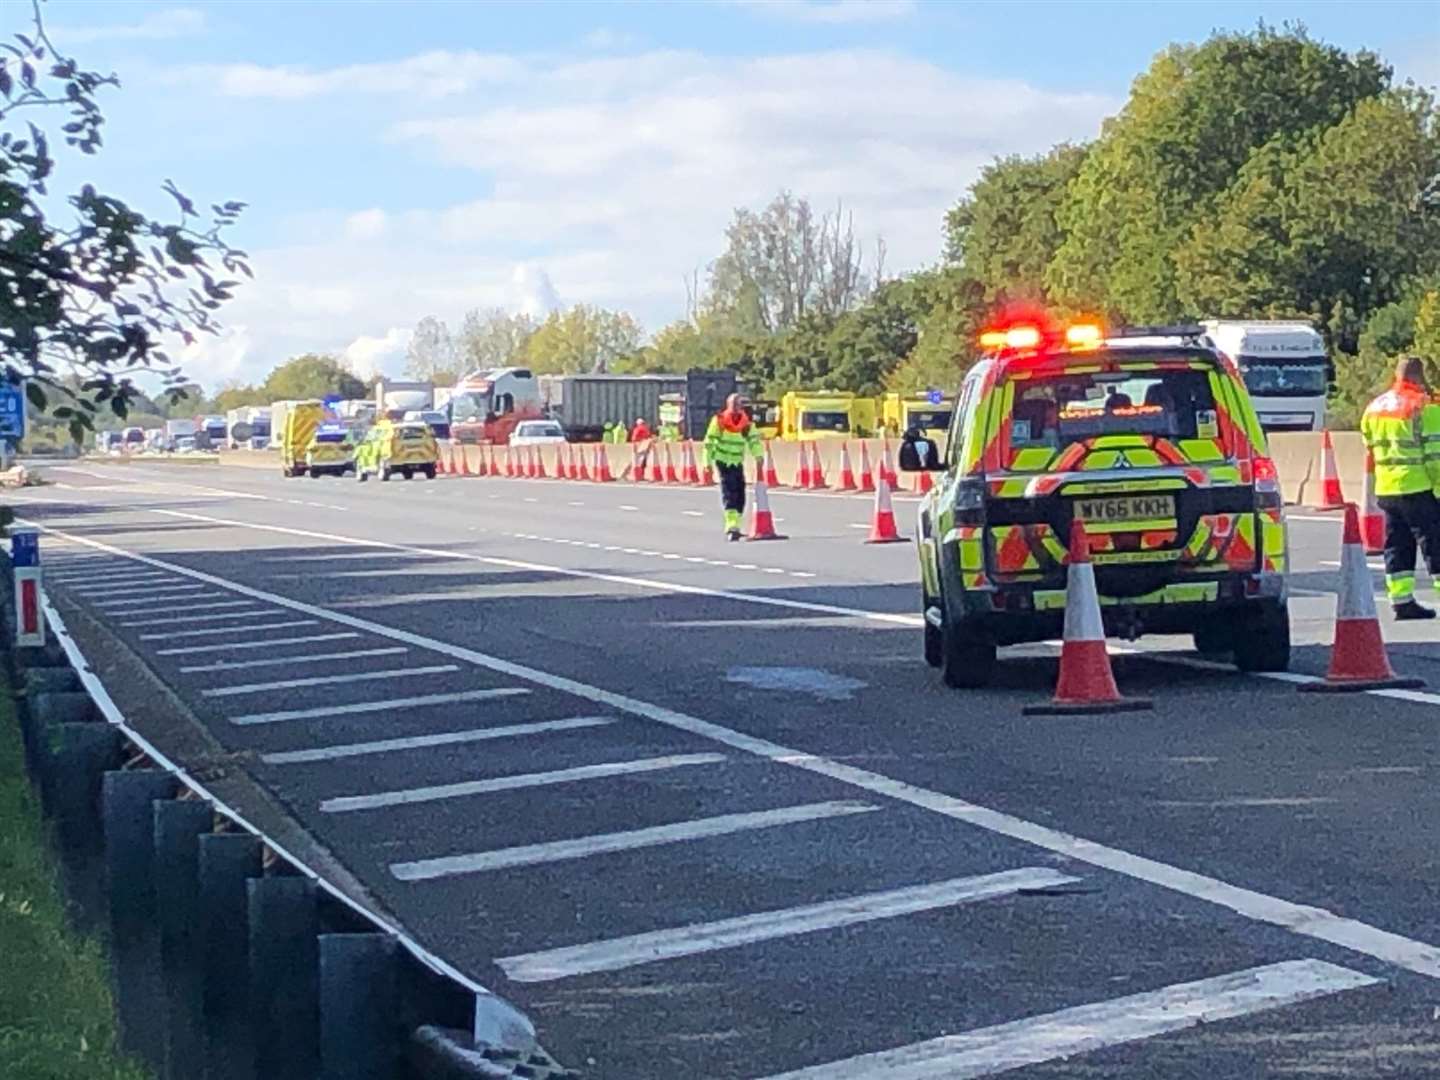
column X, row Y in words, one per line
column 602, row 464
column 509, row 461
column 562, row 462
column 802, row 477
column 692, row 470
column 494, row 466
column 847, row 473
column 1357, row 659
column 887, row 467
column 867, row 474
column 1331, row 497
column 762, row 522
column 1086, row 683
column 923, row 483
column 817, row 469
column 656, row 475
column 581, row 472
column 772, row 480
column 671, row 476
column 442, row 459
column 1372, row 519
column 882, row 521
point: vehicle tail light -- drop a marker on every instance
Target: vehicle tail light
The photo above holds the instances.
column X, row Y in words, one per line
column 1083, row 336
column 1267, row 483
column 970, row 502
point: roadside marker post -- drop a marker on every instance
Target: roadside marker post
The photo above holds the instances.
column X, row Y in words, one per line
column 25, row 557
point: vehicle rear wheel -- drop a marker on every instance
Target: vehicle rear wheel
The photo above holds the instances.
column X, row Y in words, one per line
column 967, row 660
column 384, row 474
column 315, row 474
column 1213, row 637
column 408, row 473
column 1262, row 639
column 429, row 472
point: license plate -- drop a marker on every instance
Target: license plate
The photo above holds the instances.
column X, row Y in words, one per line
column 1118, row 509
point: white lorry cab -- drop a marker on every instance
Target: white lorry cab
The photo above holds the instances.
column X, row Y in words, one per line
column 1285, row 368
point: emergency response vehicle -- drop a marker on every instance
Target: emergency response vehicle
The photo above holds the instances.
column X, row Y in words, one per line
column 1150, row 439
column 407, row 448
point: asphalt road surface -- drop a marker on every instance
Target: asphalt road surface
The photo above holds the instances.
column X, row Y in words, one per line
column 701, row 810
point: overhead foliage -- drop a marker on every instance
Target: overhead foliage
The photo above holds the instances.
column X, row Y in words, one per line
column 312, row 376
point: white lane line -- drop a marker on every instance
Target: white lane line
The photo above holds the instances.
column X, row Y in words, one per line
column 131, row 587
column 346, row 803
column 233, row 646
column 624, row 506
column 155, row 600
column 215, row 631
column 1004, row 1047
column 419, row 742
column 1392, row 948
column 574, row 502
column 163, row 592
column 305, row 658
column 626, row 952
column 328, row 680
column 603, row 843
column 801, row 573
column 375, row 706
column 220, row 606
column 692, row 513
column 87, row 579
column 227, row 616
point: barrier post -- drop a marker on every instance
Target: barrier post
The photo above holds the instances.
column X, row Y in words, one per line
column 25, row 558
column 226, row 861
column 179, row 824
column 284, row 977
column 359, row 1031
column 129, row 828
column 80, row 755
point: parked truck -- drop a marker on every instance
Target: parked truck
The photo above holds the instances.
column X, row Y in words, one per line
column 928, row 413
column 175, row 430
column 826, row 414
column 486, row 405
column 1285, row 368
column 394, row 398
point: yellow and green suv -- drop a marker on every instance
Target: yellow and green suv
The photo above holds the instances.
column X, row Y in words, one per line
column 1147, row 437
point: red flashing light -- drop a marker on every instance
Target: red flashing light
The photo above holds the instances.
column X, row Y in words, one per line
column 1264, row 472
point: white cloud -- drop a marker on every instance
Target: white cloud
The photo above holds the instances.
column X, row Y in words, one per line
column 157, row 26
column 383, row 355
column 434, row 74
column 608, row 180
column 833, row 12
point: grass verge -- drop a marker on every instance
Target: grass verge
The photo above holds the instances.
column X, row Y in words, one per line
column 57, row 1020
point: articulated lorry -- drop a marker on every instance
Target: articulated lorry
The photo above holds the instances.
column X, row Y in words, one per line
column 1285, row 368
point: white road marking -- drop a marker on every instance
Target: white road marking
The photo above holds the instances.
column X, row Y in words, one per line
column 417, row 742
column 375, row 706
column 855, row 525
column 576, row 503
column 307, row 658
column 692, row 513
column 1004, row 1047
column 233, row 646
column 434, row 793
column 171, row 620
column 219, row 606
column 695, row 558
column 217, row 630
column 151, row 601
column 626, row 952
column 143, row 589
column 604, row 843
column 1392, row 948
column 91, row 578
column 328, row 680
column 624, row 506
column 801, row 573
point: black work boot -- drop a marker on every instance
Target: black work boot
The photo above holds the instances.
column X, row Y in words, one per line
column 1413, row 609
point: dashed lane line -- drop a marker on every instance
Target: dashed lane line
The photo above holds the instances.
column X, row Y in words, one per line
column 1085, row 1028
column 419, row 702
column 617, row 954
column 1306, row 920
column 152, row 600
column 234, row 646
column 327, row 680
column 224, row 616
column 216, row 631
column 607, row 843
column 303, row 658
column 219, row 606
column 669, row 556
column 418, row 742
column 343, row 804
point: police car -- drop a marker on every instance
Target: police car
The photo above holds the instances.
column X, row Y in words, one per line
column 1146, row 436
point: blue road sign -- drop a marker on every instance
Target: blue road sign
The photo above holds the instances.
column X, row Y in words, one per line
column 935, row 396
column 12, row 412
column 25, row 547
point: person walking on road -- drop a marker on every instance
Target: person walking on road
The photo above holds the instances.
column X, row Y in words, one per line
column 1401, row 429
column 730, row 434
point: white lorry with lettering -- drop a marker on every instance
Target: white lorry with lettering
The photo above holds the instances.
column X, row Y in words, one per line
column 1285, row 368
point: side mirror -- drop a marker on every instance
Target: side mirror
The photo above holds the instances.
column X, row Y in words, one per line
column 919, row 454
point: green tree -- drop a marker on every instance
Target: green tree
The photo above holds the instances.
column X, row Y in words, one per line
column 493, row 338
column 1004, row 232
column 1192, row 122
column 953, row 308
column 98, row 294
column 236, row 395
column 311, row 376
column 431, row 354
column 581, row 339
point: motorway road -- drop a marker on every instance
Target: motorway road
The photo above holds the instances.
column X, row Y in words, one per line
column 701, row 810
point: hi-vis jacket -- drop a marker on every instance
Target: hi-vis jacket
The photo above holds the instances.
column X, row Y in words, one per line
column 1401, row 429
column 729, row 436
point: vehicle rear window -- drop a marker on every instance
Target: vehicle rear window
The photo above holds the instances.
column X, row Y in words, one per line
column 410, row 434
column 1054, row 411
column 824, row 421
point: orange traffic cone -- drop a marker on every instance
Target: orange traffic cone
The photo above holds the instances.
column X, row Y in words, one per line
column 887, row 467
column 562, row 462
column 671, row 476
column 1331, row 497
column 602, row 464
column 802, row 477
column 1357, row 659
column 656, row 475
column 867, row 474
column 581, row 472
column 762, row 522
column 707, row 472
column 923, row 483
column 882, row 521
column 771, row 479
column 509, row 461
column 494, row 465
column 1086, row 684
column 1372, row 518
column 692, row 470
column 442, row 459
column 817, row 469
column 541, row 473
column 847, row 474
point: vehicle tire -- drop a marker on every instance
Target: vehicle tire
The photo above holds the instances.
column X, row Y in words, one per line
column 408, row 473
column 967, row 660
column 429, row 471
column 1213, row 637
column 934, row 639
column 315, row 474
column 384, row 474
column 1262, row 639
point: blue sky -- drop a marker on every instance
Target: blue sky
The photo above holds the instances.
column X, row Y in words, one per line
column 405, row 159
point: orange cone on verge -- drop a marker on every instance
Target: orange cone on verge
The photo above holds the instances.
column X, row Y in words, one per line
column 762, row 522
column 771, row 479
column 1086, row 683
column 494, row 466
column 671, row 476
column 692, row 470
column 817, row 469
column 887, row 467
column 509, row 462
column 882, row 521
column 562, row 462
column 1357, row 659
column 602, row 464
column 581, row 472
column 656, row 475
column 847, row 473
column 867, row 474
column 1331, row 497
column 1372, row 518
column 707, row 472
column 802, row 477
